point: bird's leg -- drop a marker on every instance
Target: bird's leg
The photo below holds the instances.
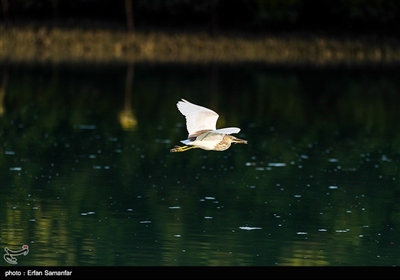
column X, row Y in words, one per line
column 177, row 149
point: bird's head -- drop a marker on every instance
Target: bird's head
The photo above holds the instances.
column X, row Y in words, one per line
column 238, row 140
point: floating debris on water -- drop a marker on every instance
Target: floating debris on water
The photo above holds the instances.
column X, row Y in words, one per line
column 174, row 207
column 342, row 230
column 15, row 168
column 301, row 233
column 100, row 167
column 249, row 228
column 9, row 153
column 385, row 158
column 276, row 164
column 87, row 213
column 333, row 160
column 332, row 187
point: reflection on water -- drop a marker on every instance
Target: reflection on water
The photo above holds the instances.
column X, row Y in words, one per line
column 87, row 177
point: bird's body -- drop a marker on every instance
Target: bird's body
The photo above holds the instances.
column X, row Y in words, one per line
column 201, row 125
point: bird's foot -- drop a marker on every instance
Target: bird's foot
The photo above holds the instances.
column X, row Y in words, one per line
column 178, row 149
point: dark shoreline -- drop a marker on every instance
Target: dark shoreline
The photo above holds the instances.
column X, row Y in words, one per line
column 35, row 44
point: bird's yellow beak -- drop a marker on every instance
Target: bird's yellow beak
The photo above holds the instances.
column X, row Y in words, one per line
column 238, row 140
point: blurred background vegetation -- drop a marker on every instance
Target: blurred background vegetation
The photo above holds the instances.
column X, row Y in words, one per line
column 316, row 32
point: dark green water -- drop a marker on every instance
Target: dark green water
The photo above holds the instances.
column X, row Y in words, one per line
column 87, row 177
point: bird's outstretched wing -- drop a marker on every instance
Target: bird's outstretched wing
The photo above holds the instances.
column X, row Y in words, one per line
column 197, row 117
column 227, row 130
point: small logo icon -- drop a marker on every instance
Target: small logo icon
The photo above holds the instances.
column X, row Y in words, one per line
column 10, row 255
